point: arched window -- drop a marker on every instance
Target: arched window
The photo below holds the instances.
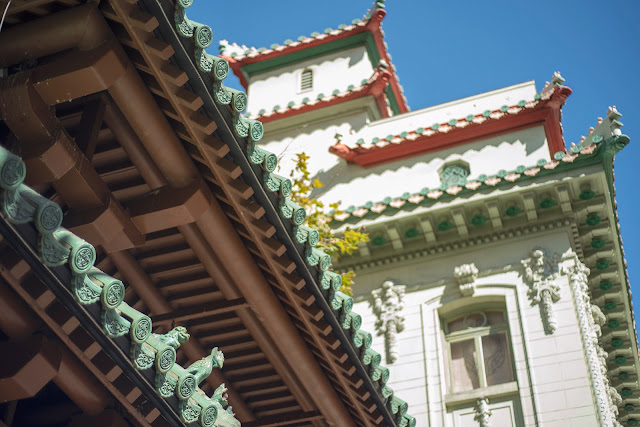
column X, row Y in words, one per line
column 306, row 80
column 479, row 351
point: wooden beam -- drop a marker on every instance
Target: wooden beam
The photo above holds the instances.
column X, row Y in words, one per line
column 169, row 207
column 285, row 419
column 27, row 367
column 90, row 124
column 188, row 313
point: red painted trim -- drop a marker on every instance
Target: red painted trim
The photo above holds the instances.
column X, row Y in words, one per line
column 547, row 113
column 375, row 88
column 373, row 26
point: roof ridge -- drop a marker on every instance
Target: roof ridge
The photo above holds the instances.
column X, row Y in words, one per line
column 238, row 52
column 341, row 149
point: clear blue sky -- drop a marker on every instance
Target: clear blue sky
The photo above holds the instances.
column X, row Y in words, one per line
column 445, row 51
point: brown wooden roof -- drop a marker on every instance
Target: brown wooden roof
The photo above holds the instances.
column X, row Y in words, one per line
column 116, row 130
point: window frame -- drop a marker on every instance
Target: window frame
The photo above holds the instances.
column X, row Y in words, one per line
column 477, row 333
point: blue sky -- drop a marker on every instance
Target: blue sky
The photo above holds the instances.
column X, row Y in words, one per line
column 445, row 51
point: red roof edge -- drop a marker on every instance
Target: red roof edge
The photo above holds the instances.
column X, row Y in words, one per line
column 547, row 113
column 375, row 87
column 373, row 25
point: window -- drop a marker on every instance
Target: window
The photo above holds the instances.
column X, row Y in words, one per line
column 306, row 80
column 479, row 354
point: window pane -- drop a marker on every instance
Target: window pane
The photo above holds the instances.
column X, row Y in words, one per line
column 495, row 317
column 497, row 362
column 456, row 325
column 464, row 370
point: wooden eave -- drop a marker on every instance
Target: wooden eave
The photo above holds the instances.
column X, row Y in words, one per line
column 174, row 265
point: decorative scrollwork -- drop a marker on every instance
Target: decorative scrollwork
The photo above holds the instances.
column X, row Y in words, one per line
column 239, row 101
column 48, row 218
column 166, row 360
column 203, row 36
column 208, row 416
column 84, row 290
column 387, row 305
column 17, row 210
column 141, row 358
column 12, row 171
column 52, row 252
column 114, row 325
column 141, row 329
column 189, row 412
column 541, row 272
column 113, row 294
column 186, row 387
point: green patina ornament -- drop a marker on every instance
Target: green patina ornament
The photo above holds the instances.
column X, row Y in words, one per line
column 624, row 376
column 410, row 233
column 610, row 306
column 290, row 104
column 512, row 211
column 603, row 265
column 350, row 88
column 593, row 220
column 453, row 122
column 617, row 343
column 587, row 195
column 478, row 220
column 598, row 243
column 629, row 407
column 486, row 113
column 522, row 103
column 470, row 118
column 335, row 92
column 455, row 174
column 320, row 96
column 420, row 131
column 504, row 108
column 633, row 422
column 435, row 126
column 305, row 100
column 375, row 140
column 388, row 137
column 606, row 285
column 378, row 240
column 444, row 226
column 614, row 324
column 547, row 203
column 626, row 392
column 620, row 360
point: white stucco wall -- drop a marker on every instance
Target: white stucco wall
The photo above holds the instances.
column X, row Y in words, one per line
column 334, row 71
column 551, row 371
column 354, row 185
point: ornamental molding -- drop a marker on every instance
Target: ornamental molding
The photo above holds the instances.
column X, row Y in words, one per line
column 466, row 276
column 590, row 321
column 483, row 413
column 443, row 248
column 541, row 272
column 387, row 305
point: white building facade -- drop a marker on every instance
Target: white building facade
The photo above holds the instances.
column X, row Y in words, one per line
column 495, row 276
